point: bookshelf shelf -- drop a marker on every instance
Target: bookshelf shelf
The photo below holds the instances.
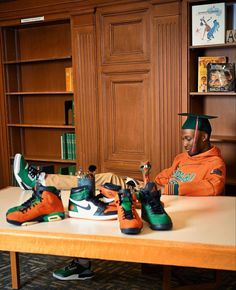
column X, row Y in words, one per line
column 22, row 61
column 219, row 138
column 50, row 160
column 39, row 93
column 223, row 46
column 222, row 94
column 66, row 127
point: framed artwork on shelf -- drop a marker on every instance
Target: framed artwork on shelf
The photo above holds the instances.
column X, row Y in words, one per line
column 208, row 24
column 220, row 77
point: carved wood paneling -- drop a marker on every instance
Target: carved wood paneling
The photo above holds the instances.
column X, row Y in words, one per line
column 84, row 64
column 124, row 111
column 166, row 89
column 124, row 35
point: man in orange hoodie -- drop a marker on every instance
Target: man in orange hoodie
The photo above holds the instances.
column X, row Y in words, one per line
column 200, row 171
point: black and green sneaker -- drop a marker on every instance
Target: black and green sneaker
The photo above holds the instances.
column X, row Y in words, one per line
column 74, row 271
column 152, row 209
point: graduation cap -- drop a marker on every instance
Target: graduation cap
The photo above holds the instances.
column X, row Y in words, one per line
column 197, row 122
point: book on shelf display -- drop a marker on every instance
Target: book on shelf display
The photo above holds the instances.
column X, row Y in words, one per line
column 208, row 24
column 69, row 79
column 202, row 70
column 68, row 146
column 221, row 77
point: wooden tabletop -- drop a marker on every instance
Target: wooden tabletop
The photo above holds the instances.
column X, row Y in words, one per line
column 203, row 234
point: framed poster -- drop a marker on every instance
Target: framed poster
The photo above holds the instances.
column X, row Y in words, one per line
column 208, row 24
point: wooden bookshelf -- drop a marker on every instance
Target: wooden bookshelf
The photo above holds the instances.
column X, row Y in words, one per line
column 34, row 59
column 221, row 104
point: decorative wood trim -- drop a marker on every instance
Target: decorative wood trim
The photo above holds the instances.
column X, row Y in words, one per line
column 86, row 107
column 166, row 88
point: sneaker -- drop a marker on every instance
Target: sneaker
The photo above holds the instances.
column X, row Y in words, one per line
column 45, row 205
column 130, row 222
column 152, row 208
column 82, row 204
column 74, row 271
column 107, row 194
column 25, row 174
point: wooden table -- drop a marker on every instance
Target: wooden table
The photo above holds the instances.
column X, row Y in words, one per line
column 203, row 235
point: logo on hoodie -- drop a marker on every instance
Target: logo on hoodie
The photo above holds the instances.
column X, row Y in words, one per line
column 178, row 175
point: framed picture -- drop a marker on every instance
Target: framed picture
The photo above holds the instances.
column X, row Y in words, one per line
column 208, row 24
column 220, row 77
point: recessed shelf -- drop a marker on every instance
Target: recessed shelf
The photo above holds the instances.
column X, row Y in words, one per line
column 38, row 60
column 212, row 94
column 53, row 160
column 39, row 93
column 223, row 45
column 42, row 126
column 221, row 138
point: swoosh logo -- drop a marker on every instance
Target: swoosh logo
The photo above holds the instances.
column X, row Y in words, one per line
column 88, row 207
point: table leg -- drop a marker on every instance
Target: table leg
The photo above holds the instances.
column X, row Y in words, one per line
column 15, row 271
column 166, row 285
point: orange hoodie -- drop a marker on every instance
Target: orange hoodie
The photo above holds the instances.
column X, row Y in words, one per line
column 199, row 175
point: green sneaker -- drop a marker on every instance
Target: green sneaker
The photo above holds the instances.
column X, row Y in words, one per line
column 25, row 174
column 152, row 209
column 74, row 271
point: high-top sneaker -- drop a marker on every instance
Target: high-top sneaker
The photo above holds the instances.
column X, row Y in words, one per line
column 152, row 209
column 130, row 222
column 45, row 205
column 107, row 194
column 82, row 204
column 25, row 174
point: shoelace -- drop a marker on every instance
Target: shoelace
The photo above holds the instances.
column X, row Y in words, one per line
column 72, row 265
column 155, row 205
column 95, row 200
column 127, row 214
column 29, row 203
column 75, row 263
column 33, row 172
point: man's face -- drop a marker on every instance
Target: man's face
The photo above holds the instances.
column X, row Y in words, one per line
column 191, row 145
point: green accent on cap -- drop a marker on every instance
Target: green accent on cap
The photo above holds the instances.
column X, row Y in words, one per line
column 197, row 122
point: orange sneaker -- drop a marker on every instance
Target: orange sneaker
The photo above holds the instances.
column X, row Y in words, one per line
column 45, row 205
column 108, row 191
column 130, row 222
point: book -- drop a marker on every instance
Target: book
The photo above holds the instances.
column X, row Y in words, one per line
column 68, row 146
column 208, row 24
column 69, row 79
column 202, row 69
column 67, row 170
column 221, row 77
column 69, row 112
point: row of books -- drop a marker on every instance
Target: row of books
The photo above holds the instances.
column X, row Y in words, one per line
column 68, row 146
column 215, row 74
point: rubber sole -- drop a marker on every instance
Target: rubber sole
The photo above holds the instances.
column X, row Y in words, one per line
column 44, row 218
